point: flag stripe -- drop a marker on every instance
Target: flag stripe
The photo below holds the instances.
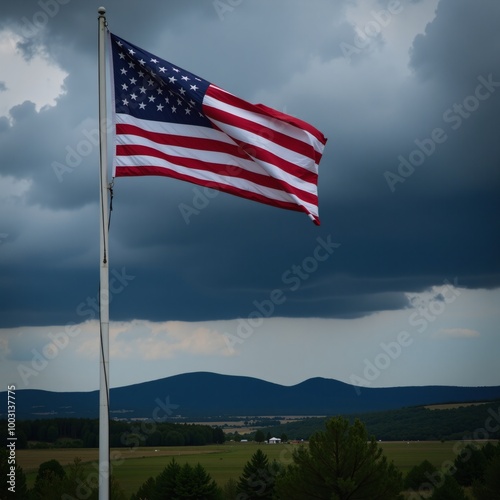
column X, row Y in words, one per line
column 208, row 154
column 213, row 168
column 280, row 119
column 229, row 115
column 132, row 165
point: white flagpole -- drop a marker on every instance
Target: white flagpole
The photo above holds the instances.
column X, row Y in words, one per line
column 104, row 272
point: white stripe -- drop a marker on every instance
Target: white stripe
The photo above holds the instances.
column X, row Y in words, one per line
column 268, row 145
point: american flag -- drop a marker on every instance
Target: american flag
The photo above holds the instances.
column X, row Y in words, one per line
column 172, row 123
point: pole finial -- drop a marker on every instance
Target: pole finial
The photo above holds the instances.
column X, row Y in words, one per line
column 101, row 11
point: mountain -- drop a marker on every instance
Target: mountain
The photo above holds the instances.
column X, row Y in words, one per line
column 204, row 394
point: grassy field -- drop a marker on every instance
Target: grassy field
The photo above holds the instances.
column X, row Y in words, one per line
column 132, row 468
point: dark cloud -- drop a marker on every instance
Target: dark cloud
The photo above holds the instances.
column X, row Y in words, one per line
column 439, row 222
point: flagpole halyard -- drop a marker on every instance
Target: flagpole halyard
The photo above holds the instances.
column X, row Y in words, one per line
column 104, row 467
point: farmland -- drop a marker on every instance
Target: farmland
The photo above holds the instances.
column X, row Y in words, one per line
column 133, row 467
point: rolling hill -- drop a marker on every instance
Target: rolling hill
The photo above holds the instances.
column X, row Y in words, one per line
column 204, row 394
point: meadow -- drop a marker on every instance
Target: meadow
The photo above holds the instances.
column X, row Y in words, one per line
column 133, row 466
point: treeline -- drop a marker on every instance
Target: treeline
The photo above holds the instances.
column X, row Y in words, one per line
column 84, row 433
column 480, row 421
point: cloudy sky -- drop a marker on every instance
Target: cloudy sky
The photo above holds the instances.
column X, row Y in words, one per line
column 398, row 286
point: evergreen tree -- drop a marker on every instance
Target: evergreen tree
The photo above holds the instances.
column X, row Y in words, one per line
column 178, row 482
column 259, row 436
column 419, row 475
column 470, row 465
column 489, row 487
column 341, row 463
column 49, row 480
column 449, row 490
column 258, row 477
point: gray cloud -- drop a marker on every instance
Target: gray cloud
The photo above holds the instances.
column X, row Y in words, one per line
column 439, row 223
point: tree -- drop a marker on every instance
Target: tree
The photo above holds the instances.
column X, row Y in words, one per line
column 49, row 480
column 470, row 465
column 489, row 487
column 341, row 463
column 218, row 435
column 258, row 477
column 259, row 436
column 419, row 475
column 178, row 482
column 449, row 490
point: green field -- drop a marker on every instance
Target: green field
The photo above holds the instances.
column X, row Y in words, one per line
column 133, row 467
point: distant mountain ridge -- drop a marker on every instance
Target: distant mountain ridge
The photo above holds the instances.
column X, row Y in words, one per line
column 205, row 394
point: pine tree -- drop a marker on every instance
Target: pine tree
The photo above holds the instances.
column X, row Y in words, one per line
column 341, row 463
column 258, row 477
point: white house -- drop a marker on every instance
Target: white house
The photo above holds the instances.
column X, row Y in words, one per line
column 274, row 440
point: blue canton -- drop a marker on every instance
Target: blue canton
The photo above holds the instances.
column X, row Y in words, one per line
column 151, row 88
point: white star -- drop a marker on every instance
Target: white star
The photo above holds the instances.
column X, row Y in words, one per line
column 133, row 96
column 151, row 98
column 131, row 64
column 182, row 91
column 159, row 107
column 125, row 102
column 124, row 86
column 172, row 79
column 142, row 62
column 131, row 52
column 176, row 70
column 142, row 105
column 174, row 109
column 141, row 73
column 188, row 111
column 151, row 83
column 119, row 43
column 123, row 71
column 159, row 91
column 122, row 55
column 133, row 81
column 162, row 69
column 143, row 90
column 193, row 87
column 154, row 60
column 185, row 78
column 179, row 102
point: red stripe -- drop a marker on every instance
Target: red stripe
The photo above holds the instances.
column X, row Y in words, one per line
column 219, row 169
column 261, row 109
column 190, row 142
column 270, row 134
column 134, row 171
column 288, row 167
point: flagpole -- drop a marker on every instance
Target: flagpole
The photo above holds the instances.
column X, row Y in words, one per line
column 104, row 468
